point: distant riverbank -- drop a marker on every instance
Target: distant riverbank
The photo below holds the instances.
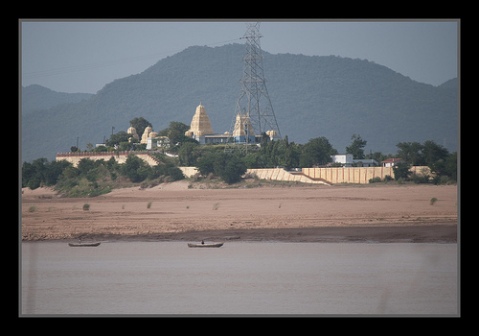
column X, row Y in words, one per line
column 423, row 233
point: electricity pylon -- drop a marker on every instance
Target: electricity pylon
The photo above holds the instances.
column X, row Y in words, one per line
column 254, row 115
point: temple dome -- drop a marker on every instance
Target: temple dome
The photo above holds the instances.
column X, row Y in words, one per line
column 146, row 134
column 132, row 131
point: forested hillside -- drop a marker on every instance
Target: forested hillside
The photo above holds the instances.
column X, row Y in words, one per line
column 312, row 96
column 36, row 97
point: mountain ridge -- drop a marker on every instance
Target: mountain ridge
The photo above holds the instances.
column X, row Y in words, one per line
column 37, row 97
column 312, row 96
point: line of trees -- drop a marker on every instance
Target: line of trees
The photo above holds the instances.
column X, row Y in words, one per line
column 96, row 177
column 278, row 153
column 93, row 177
column 441, row 163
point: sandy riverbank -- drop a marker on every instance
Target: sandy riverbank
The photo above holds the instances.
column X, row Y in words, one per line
column 385, row 213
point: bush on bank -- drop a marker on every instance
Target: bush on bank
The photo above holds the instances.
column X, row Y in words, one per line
column 96, row 177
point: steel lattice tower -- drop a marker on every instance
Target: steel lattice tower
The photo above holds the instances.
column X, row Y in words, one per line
column 254, row 114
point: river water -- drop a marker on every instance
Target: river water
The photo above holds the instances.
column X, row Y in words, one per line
column 240, row 278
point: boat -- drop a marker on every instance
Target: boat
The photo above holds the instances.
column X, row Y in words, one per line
column 84, row 244
column 202, row 244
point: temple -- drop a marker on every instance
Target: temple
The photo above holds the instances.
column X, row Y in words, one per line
column 243, row 132
column 200, row 125
column 201, row 130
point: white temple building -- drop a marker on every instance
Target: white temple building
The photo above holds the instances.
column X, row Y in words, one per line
column 201, row 130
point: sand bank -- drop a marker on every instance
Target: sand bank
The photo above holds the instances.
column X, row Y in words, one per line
column 384, row 213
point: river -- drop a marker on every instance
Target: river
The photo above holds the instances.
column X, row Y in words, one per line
column 240, row 278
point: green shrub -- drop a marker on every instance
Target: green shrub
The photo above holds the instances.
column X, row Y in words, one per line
column 420, row 178
column 401, row 171
column 135, row 169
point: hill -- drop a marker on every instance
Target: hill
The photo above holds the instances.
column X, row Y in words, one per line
column 312, row 96
column 37, row 97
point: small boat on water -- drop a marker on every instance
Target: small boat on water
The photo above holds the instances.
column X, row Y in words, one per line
column 203, row 244
column 84, row 244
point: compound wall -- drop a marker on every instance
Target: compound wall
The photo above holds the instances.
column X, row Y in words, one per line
column 360, row 175
column 279, row 174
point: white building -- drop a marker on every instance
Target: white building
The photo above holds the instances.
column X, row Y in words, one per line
column 391, row 162
column 345, row 159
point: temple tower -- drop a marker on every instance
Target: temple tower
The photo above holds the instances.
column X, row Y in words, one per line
column 200, row 125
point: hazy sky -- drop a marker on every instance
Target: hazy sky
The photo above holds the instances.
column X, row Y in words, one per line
column 84, row 56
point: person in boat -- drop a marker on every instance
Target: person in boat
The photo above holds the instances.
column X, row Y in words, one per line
column 202, row 242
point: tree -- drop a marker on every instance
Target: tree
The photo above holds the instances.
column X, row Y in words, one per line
column 188, row 154
column 54, row 170
column 112, row 165
column 357, row 147
column 229, row 167
column 68, row 179
column 433, row 152
column 206, row 163
column 411, row 153
column 378, row 156
column 100, row 149
column 176, row 132
column 41, row 172
column 117, row 138
column 272, row 153
column 135, row 168
column 90, row 147
column 35, row 172
column 292, row 156
column 165, row 168
column 435, row 156
column 85, row 165
column 401, row 171
column 254, row 160
column 139, row 124
column 450, row 166
column 316, row 152
column 32, row 173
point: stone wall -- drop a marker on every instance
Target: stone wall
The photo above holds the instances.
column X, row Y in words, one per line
column 358, row 175
column 279, row 174
column 120, row 157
